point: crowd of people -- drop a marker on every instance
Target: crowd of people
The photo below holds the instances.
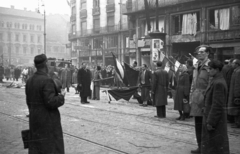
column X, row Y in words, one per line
column 208, row 91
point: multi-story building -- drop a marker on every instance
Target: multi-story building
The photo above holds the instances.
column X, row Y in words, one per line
column 98, row 29
column 187, row 24
column 21, row 35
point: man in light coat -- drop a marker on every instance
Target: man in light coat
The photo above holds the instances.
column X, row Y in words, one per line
column 199, row 85
column 234, row 94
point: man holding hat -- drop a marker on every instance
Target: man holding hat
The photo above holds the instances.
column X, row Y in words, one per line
column 43, row 102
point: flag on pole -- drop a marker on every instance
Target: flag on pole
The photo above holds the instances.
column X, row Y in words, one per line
column 131, row 75
column 119, row 70
column 163, row 59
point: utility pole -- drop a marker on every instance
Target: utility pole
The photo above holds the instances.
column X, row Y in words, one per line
column 45, row 52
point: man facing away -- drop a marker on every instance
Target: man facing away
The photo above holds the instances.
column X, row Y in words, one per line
column 66, row 78
column 160, row 89
column 43, row 101
column 84, row 83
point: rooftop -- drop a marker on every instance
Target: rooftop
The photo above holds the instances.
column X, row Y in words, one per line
column 20, row 13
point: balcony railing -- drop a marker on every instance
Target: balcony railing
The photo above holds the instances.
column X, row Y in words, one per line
column 73, row 17
column 129, row 5
column 96, row 11
column 216, row 36
column 73, row 35
column 83, row 13
column 110, row 7
column 74, row 54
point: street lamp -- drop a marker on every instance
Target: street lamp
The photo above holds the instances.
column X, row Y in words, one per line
column 44, row 29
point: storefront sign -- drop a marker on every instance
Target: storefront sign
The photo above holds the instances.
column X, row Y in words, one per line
column 141, row 43
column 132, row 44
column 145, row 49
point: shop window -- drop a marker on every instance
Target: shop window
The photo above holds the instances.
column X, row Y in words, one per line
column 235, row 10
column 97, row 43
column 188, row 23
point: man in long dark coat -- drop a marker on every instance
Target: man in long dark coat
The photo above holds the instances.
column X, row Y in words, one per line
column 234, row 94
column 17, row 73
column 160, row 90
column 43, row 101
column 1, row 73
column 214, row 130
column 84, row 83
column 66, row 78
column 144, row 81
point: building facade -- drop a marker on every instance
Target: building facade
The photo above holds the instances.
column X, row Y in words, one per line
column 21, row 36
column 98, row 29
column 187, row 24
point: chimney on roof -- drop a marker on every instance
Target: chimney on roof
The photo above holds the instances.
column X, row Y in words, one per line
column 12, row 6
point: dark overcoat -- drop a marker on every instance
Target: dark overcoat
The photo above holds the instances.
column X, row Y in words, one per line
column 66, row 78
column 234, row 92
column 1, row 73
column 7, row 72
column 160, row 87
column 182, row 91
column 17, row 72
column 146, row 87
column 44, row 118
column 215, row 98
column 84, row 78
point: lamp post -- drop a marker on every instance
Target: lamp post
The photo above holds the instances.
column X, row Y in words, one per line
column 44, row 14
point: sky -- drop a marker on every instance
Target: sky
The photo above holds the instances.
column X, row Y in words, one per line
column 51, row 6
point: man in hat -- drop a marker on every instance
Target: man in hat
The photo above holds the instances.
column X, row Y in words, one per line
column 43, row 102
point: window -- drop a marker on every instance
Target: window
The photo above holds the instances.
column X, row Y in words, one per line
column 24, row 38
column 96, row 25
column 224, row 18
column 32, row 50
column 31, row 27
column 84, row 27
column 1, row 24
column 188, row 23
column 24, row 50
column 110, row 23
column 56, row 49
column 113, row 41
column 9, row 37
column 74, row 29
column 32, row 39
column 9, row 25
column 17, row 49
column 26, row 26
column 73, row 10
column 39, row 28
column 83, row 5
column 1, row 36
column 95, row 3
column 110, row 1
column 39, row 39
column 17, row 37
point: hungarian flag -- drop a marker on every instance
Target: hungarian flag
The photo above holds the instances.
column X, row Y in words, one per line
column 119, row 69
column 175, row 63
column 131, row 75
column 125, row 94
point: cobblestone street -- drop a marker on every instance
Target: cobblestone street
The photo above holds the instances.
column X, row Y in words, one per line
column 103, row 128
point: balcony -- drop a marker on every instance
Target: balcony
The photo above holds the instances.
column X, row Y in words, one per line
column 73, row 35
column 96, row 11
column 224, row 35
column 73, row 18
column 110, row 7
column 83, row 13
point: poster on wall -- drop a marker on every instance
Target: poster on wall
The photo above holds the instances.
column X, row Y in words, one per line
column 155, row 49
column 155, row 55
